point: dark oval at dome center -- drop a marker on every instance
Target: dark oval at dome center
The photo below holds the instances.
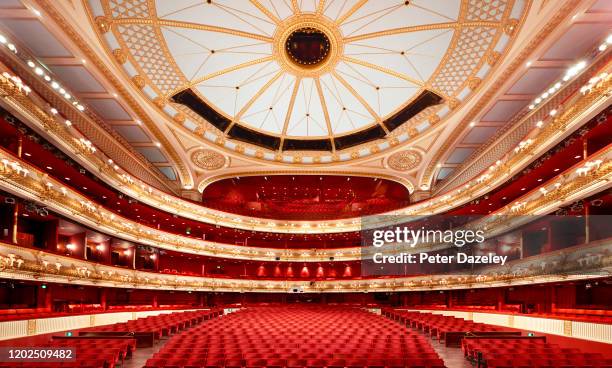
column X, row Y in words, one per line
column 307, row 46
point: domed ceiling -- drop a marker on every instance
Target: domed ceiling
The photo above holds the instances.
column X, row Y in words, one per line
column 306, row 75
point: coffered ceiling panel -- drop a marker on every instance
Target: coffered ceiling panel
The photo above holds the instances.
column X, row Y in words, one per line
column 78, row 78
column 532, row 81
column 152, row 154
column 108, row 108
column 504, row 110
column 459, row 155
column 37, row 36
column 132, row 133
column 572, row 44
column 479, row 135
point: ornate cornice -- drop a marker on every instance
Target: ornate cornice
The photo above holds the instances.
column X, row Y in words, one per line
column 120, row 88
column 487, row 97
column 512, row 132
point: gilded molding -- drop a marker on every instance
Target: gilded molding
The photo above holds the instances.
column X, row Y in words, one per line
column 184, row 174
column 576, row 263
column 486, row 98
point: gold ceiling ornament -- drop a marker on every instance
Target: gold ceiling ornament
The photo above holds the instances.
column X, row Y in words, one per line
column 103, row 24
column 434, row 119
column 473, row 82
column 179, row 117
column 220, row 141
column 404, row 160
column 331, row 41
column 208, row 159
column 453, row 103
column 317, row 159
column 240, row 148
column 493, row 57
column 375, row 149
column 160, row 102
column 355, row 154
column 510, row 26
column 259, row 154
column 297, row 159
column 139, row 81
column 413, row 132
column 120, row 56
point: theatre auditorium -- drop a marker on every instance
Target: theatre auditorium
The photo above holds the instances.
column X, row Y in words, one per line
column 305, row 184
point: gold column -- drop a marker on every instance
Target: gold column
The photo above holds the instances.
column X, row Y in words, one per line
column 16, row 209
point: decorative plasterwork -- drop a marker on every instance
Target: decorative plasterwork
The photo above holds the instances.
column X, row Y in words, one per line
column 120, row 88
column 486, row 98
column 96, row 129
column 540, row 137
column 208, row 159
column 246, row 68
column 576, row 263
column 404, row 160
column 519, row 126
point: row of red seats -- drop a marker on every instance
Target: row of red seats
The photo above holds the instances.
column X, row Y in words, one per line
column 509, row 353
column 437, row 326
column 109, row 352
column 501, row 352
column 94, row 353
column 163, row 324
column 276, row 337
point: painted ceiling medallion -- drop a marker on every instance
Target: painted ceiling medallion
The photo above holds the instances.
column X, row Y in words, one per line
column 310, row 78
column 207, row 159
column 404, row 160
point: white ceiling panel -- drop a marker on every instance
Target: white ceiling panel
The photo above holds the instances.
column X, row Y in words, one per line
column 152, row 154
column 459, row 155
column 576, row 41
column 535, row 80
column 78, row 78
column 479, row 134
column 168, row 172
column 504, row 110
column 108, row 108
column 132, row 133
column 36, row 37
column 11, row 4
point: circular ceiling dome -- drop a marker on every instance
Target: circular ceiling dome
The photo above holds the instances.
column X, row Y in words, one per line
column 308, row 75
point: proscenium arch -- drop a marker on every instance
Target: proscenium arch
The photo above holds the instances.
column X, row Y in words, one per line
column 408, row 184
